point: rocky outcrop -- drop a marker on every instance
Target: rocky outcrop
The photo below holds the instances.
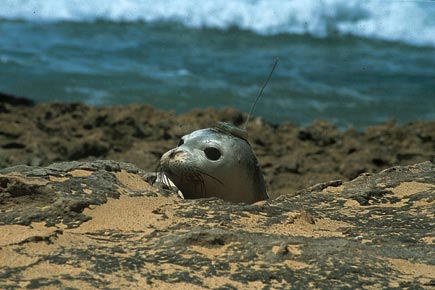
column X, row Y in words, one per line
column 59, row 193
column 291, row 157
column 100, row 224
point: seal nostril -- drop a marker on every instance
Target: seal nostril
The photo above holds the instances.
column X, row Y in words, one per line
column 174, row 152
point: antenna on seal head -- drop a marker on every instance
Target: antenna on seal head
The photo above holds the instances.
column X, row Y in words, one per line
column 261, row 92
column 241, row 132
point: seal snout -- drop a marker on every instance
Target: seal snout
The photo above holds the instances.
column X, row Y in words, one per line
column 172, row 154
column 171, row 162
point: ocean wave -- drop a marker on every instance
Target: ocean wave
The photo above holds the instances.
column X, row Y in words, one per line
column 408, row 21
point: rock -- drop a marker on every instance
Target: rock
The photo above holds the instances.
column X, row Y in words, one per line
column 292, row 158
column 321, row 133
column 60, row 192
column 99, row 224
column 15, row 100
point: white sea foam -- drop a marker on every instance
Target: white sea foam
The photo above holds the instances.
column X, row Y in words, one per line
column 410, row 21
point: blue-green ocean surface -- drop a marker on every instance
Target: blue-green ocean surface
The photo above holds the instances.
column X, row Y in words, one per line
column 350, row 62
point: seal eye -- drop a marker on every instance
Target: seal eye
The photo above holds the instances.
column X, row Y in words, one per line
column 181, row 142
column 212, row 153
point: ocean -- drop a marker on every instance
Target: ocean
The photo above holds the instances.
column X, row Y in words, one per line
column 353, row 63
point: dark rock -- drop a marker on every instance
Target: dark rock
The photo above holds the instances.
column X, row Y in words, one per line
column 292, row 158
column 15, row 100
column 321, row 133
column 32, row 194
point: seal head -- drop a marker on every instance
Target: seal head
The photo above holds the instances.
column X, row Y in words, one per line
column 213, row 162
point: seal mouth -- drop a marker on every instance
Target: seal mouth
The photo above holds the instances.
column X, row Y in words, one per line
column 190, row 181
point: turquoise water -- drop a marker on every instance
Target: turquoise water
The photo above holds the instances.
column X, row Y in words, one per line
column 353, row 77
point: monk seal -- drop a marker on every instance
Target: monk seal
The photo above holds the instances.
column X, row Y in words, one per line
column 215, row 162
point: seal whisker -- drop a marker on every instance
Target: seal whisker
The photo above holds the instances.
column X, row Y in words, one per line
column 167, row 181
column 209, row 175
column 159, row 172
column 202, row 188
column 162, row 177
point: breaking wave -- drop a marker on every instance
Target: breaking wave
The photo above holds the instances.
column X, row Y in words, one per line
column 411, row 22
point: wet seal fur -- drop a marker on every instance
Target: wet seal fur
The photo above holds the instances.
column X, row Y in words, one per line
column 215, row 162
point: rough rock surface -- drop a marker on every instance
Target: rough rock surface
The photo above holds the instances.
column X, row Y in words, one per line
column 81, row 225
column 291, row 157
